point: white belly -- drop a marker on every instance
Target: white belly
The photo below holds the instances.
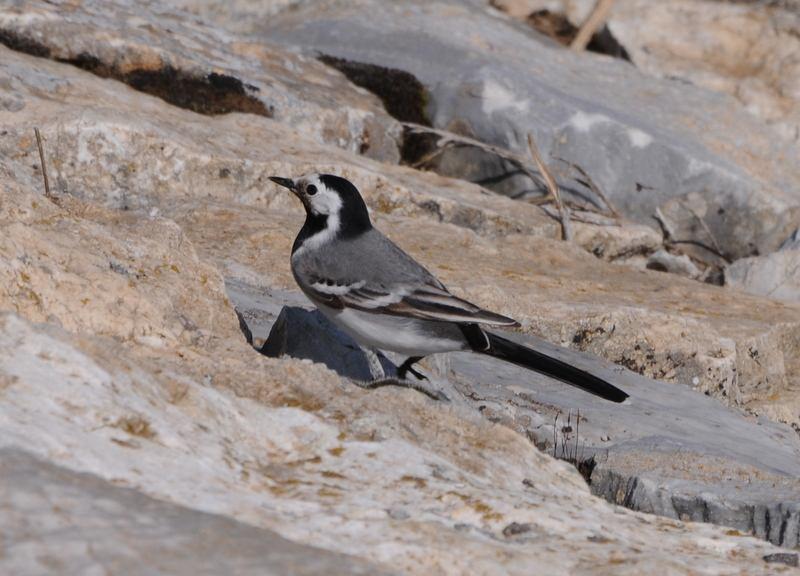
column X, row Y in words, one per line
column 407, row 336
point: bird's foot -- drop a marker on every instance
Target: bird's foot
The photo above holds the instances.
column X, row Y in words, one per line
column 408, row 366
column 417, row 375
column 429, row 391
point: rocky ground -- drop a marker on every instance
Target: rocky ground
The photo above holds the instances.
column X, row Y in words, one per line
column 137, row 422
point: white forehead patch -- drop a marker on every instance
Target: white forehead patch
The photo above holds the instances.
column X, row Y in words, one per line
column 325, row 201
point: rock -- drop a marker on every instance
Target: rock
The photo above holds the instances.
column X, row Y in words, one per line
column 782, row 558
column 55, row 519
column 775, row 275
column 312, row 336
column 198, row 67
column 744, row 50
column 648, row 143
column 122, row 356
column 149, row 161
column 515, row 529
column 664, row 261
column 315, row 460
column 666, row 451
column 792, row 242
column 288, row 93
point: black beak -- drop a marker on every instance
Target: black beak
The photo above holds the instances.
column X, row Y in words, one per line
column 285, row 182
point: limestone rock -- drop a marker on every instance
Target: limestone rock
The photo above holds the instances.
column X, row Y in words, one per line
column 775, row 275
column 121, row 354
column 666, row 451
column 135, row 154
column 59, row 521
column 361, row 473
column 201, row 68
column 743, row 49
column 674, row 263
column 647, row 142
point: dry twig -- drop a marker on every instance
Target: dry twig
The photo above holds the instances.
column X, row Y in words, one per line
column 44, row 166
column 708, row 231
column 552, row 186
column 592, row 186
column 446, row 138
column 522, row 163
column 592, row 24
column 670, row 240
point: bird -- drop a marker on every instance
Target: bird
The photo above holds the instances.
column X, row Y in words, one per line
column 385, row 300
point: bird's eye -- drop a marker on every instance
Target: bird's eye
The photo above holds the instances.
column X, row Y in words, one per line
column 311, row 189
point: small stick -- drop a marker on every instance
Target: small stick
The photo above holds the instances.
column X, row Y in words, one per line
column 707, row 230
column 666, row 229
column 446, row 138
column 586, row 217
column 592, row 24
column 522, row 163
column 555, row 436
column 563, row 212
column 592, row 186
column 44, row 166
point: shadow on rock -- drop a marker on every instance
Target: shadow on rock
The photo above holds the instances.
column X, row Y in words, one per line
column 301, row 333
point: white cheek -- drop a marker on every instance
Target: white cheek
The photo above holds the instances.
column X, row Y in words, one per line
column 326, row 203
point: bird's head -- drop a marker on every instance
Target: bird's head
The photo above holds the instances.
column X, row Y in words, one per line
column 330, row 198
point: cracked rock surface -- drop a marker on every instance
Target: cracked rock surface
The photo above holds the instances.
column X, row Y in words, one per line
column 77, row 523
column 664, row 451
column 127, row 384
column 716, row 173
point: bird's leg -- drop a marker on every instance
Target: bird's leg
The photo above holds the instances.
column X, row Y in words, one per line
column 379, row 378
column 406, row 367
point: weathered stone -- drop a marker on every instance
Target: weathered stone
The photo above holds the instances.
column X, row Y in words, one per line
column 56, row 521
column 647, row 142
column 792, row 242
column 326, row 469
column 665, row 261
column 297, row 334
column 782, row 558
column 135, row 153
column 122, row 356
column 666, row 451
column 201, row 68
column 740, row 48
column 775, row 275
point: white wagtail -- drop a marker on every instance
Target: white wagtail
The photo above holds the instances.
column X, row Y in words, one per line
column 384, row 299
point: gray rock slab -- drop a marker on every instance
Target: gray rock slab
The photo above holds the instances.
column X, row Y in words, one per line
column 56, row 521
column 775, row 275
column 647, row 142
column 259, row 307
column 668, row 450
column 303, row 334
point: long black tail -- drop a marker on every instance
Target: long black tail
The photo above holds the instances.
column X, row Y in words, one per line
column 509, row 351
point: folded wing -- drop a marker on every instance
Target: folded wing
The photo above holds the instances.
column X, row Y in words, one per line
column 426, row 301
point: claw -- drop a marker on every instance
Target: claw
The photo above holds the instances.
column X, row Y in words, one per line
column 419, row 375
column 433, row 394
column 406, row 367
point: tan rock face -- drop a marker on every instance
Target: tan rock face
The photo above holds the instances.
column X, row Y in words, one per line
column 148, row 405
column 210, row 175
column 121, row 356
column 195, row 66
column 744, row 49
